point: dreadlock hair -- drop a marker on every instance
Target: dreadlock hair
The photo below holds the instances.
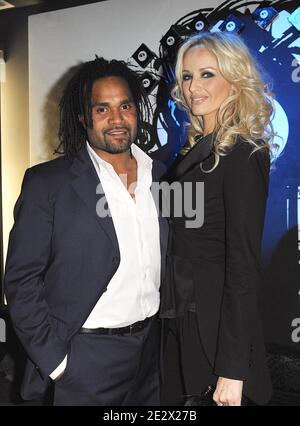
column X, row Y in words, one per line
column 76, row 101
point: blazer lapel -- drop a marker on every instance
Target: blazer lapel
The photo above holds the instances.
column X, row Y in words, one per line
column 185, row 163
column 88, row 187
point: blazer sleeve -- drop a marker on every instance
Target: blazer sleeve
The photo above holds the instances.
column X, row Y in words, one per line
column 28, row 255
column 245, row 192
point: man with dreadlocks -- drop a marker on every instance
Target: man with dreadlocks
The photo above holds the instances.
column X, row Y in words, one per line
column 85, row 255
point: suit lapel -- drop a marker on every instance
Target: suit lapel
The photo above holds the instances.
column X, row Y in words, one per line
column 87, row 186
column 184, row 164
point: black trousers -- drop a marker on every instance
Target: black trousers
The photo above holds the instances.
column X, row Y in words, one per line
column 112, row 370
column 192, row 373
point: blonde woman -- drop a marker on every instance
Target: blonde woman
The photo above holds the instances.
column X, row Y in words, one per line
column 211, row 294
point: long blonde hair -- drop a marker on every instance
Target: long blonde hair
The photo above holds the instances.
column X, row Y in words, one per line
column 247, row 112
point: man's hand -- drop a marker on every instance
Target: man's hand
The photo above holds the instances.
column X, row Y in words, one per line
column 228, row 392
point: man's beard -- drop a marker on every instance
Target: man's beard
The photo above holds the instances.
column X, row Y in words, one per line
column 121, row 144
column 117, row 148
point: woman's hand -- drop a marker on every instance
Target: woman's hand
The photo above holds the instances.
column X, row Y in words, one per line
column 228, row 392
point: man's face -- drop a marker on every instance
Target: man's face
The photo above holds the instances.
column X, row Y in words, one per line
column 114, row 116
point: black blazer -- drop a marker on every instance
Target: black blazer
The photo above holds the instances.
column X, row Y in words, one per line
column 220, row 261
column 61, row 257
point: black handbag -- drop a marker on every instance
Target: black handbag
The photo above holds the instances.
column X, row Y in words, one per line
column 205, row 399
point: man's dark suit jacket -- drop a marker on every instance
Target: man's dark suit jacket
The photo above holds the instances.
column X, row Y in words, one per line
column 61, row 258
column 221, row 261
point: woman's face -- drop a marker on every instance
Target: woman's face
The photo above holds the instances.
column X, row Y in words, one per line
column 204, row 88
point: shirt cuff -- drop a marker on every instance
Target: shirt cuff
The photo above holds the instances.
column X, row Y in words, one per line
column 60, row 369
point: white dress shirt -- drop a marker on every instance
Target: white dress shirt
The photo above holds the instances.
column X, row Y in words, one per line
column 133, row 292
